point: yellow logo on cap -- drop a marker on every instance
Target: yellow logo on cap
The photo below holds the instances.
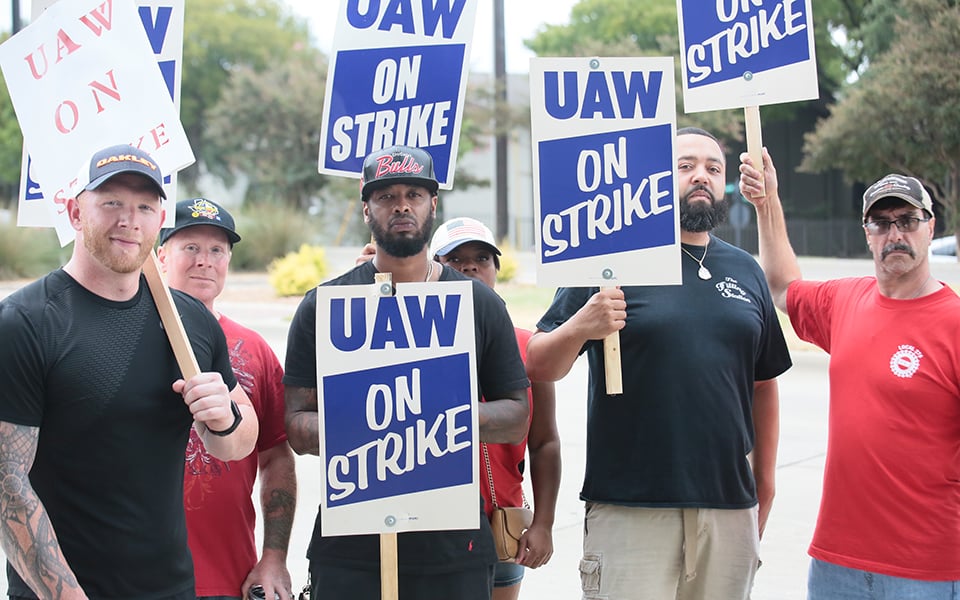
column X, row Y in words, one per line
column 126, row 158
column 204, row 208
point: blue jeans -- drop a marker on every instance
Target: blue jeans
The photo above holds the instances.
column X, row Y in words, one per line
column 507, row 574
column 828, row 581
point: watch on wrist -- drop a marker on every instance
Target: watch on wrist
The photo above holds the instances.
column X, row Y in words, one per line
column 237, row 417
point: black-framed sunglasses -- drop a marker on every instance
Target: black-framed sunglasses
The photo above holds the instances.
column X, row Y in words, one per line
column 904, row 224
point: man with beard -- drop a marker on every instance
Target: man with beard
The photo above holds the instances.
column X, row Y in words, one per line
column 399, row 194
column 680, row 468
column 94, row 413
column 889, row 514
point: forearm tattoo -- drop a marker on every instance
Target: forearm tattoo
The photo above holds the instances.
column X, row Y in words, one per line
column 26, row 533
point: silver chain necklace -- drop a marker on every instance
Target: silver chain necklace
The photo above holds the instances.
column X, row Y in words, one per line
column 703, row 273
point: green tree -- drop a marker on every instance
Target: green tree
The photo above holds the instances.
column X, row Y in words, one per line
column 11, row 148
column 902, row 114
column 266, row 127
column 222, row 36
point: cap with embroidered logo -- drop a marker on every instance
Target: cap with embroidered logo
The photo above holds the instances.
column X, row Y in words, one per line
column 123, row 158
column 200, row 211
column 397, row 164
column 908, row 189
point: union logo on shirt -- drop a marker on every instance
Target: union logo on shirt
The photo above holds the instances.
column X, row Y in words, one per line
column 905, row 361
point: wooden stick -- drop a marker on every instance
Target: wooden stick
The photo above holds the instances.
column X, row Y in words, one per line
column 389, row 578
column 751, row 120
column 172, row 324
column 613, row 373
column 389, row 575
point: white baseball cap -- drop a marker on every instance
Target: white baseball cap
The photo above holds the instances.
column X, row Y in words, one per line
column 459, row 231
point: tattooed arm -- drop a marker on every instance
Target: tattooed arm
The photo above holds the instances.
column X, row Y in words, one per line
column 278, row 499
column 26, row 533
column 303, row 423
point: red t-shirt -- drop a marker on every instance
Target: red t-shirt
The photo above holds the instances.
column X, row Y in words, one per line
column 217, row 496
column 891, row 486
column 505, row 459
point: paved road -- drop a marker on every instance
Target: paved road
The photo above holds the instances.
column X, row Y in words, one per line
column 800, row 459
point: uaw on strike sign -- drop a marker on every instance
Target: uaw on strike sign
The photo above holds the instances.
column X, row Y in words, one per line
column 397, row 403
column 398, row 76
column 604, row 171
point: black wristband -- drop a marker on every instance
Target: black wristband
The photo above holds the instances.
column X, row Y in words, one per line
column 237, row 417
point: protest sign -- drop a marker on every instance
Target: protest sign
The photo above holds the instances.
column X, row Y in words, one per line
column 83, row 76
column 739, row 53
column 398, row 75
column 397, row 404
column 604, row 171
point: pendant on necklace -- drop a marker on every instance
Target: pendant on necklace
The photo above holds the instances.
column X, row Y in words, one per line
column 704, row 273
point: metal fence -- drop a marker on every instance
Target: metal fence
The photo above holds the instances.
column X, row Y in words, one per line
column 809, row 237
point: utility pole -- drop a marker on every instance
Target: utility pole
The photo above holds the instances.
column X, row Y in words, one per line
column 500, row 125
column 15, row 24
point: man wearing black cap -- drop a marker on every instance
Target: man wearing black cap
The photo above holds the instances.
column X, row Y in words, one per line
column 195, row 256
column 890, row 509
column 399, row 203
column 94, row 414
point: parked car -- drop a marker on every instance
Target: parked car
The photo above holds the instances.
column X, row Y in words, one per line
column 944, row 249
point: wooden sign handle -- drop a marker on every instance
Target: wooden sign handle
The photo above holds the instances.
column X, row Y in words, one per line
column 751, row 120
column 613, row 373
column 172, row 324
column 389, row 575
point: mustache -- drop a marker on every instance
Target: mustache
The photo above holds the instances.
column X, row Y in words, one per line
column 897, row 247
column 700, row 188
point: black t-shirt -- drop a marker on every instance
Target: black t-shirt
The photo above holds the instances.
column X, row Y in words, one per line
column 95, row 376
column 499, row 371
column 679, row 434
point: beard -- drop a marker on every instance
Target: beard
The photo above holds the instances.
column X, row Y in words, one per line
column 405, row 244
column 97, row 243
column 701, row 216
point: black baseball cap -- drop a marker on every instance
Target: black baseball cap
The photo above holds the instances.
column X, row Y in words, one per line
column 200, row 211
column 114, row 160
column 397, row 164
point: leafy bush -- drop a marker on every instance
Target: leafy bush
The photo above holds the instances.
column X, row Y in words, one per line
column 509, row 265
column 26, row 253
column 269, row 231
column 298, row 272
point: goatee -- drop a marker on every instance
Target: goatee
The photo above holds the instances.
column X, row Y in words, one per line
column 405, row 245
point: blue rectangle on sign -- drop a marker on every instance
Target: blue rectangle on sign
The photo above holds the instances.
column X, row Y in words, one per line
column 387, row 96
column 739, row 39
column 397, row 429
column 606, row 193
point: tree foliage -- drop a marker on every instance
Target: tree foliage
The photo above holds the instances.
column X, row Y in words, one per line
column 220, row 37
column 903, row 114
column 11, row 146
column 266, row 127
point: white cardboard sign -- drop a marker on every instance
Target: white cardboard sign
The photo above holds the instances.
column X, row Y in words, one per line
column 397, row 404
column 604, row 163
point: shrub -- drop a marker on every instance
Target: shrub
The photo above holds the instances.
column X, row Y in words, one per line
column 269, row 231
column 509, row 265
column 29, row 252
column 298, row 272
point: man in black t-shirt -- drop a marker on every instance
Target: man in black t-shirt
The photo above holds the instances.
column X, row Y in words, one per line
column 399, row 193
column 674, row 504
column 94, row 412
